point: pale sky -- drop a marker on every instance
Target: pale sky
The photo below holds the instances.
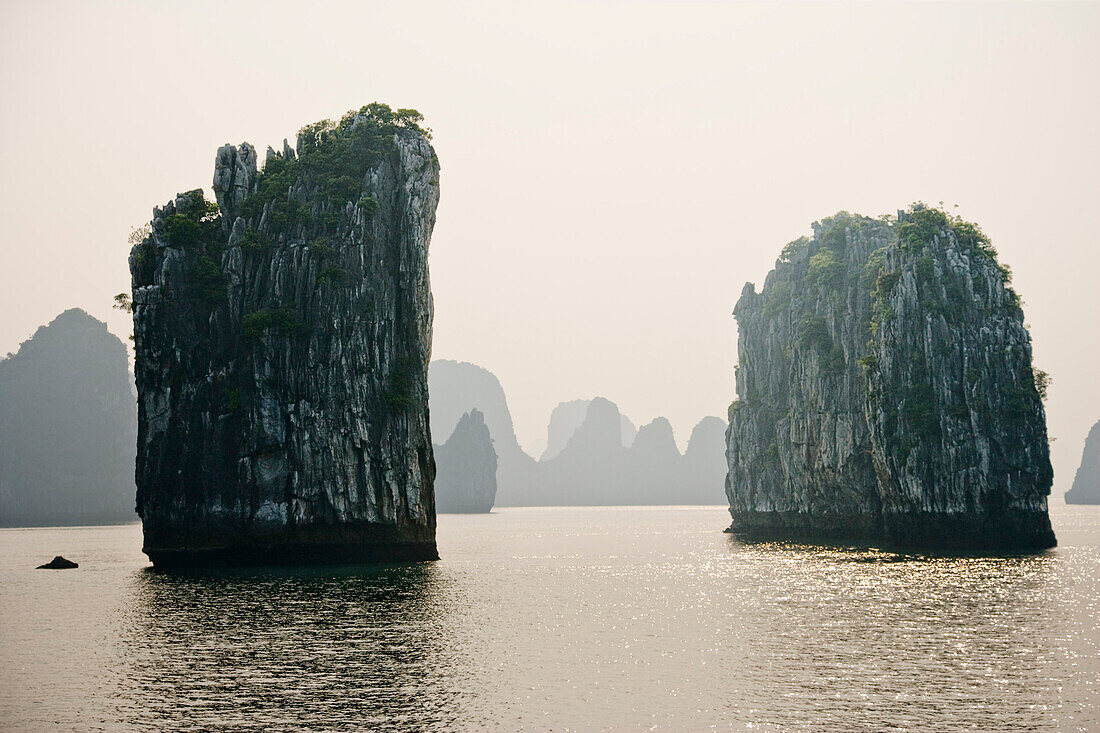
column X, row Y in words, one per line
column 612, row 173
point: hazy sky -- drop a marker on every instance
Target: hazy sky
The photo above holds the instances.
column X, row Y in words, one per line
column 612, row 172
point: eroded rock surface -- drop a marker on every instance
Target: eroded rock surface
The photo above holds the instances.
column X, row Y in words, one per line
column 282, row 340
column 887, row 395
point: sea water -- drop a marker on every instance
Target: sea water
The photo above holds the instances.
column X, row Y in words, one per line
column 623, row 618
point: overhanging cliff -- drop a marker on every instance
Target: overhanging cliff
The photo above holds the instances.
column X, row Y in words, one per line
column 886, row 393
column 282, row 340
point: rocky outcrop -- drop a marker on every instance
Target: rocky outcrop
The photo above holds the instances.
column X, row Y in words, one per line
column 282, row 343
column 886, row 393
column 653, row 465
column 594, row 455
column 592, row 468
column 1086, row 482
column 466, row 468
column 455, row 388
column 564, row 421
column 58, row 563
column 67, row 427
column 703, row 473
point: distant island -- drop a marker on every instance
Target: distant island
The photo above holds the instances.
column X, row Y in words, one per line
column 282, row 337
column 466, row 468
column 1086, row 482
column 594, row 454
column 886, row 393
column 67, row 427
column 457, row 387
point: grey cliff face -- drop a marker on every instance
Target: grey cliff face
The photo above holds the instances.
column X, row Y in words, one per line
column 886, row 394
column 1086, row 482
column 282, row 343
column 466, row 476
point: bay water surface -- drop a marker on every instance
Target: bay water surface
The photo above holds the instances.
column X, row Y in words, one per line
column 619, row 618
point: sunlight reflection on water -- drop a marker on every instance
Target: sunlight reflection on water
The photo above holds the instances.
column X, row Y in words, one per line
column 568, row 618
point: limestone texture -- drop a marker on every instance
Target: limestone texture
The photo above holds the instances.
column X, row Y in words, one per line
column 282, row 342
column 466, row 468
column 1086, row 482
column 886, row 394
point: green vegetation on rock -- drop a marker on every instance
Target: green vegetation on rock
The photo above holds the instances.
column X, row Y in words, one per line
column 335, row 156
column 943, row 418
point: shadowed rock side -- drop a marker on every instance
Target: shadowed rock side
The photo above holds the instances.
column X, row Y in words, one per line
column 564, row 421
column 886, row 394
column 466, row 468
column 282, row 341
column 1086, row 482
column 455, row 388
column 67, row 427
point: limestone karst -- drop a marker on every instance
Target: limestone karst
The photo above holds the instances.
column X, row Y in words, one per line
column 67, row 427
column 594, row 455
column 466, row 468
column 455, row 388
column 703, row 468
column 595, row 468
column 567, row 417
column 1086, row 482
column 282, row 343
column 886, row 393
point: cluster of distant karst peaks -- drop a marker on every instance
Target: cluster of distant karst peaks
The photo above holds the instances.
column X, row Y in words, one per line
column 594, row 455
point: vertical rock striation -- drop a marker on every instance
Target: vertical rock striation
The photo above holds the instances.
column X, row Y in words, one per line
column 282, row 341
column 886, row 393
column 466, row 476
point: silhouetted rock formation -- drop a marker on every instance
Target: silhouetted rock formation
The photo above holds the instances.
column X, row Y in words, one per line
column 653, row 465
column 282, row 341
column 598, row 458
column 466, row 468
column 704, row 465
column 887, row 394
column 67, row 427
column 455, row 388
column 564, row 421
column 595, row 469
column 590, row 470
column 1086, row 482
column 58, row 563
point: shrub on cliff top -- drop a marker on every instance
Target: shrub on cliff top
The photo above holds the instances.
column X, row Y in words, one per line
column 333, row 155
column 196, row 221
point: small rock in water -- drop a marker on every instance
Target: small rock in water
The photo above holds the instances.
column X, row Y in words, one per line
column 58, row 563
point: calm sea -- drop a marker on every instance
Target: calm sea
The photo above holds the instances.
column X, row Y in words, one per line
column 556, row 619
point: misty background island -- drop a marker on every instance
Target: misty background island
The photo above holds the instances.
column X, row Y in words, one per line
column 683, row 366
column 282, row 335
